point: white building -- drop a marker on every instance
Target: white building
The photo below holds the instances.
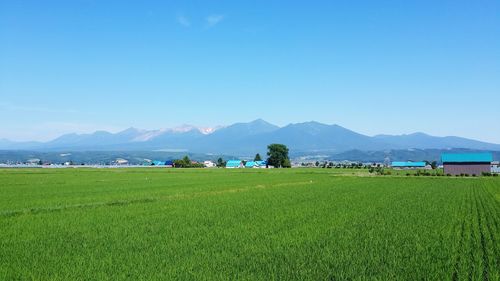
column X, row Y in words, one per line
column 33, row 161
column 495, row 167
column 209, row 164
column 121, row 161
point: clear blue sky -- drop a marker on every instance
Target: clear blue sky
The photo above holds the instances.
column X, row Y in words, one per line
column 375, row 67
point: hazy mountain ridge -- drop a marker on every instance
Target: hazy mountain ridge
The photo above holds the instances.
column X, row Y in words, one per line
column 248, row 138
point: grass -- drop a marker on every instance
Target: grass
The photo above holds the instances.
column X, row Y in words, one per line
column 298, row 224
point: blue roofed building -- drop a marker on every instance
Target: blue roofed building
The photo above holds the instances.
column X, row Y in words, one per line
column 158, row 163
column 250, row 164
column 256, row 164
column 232, row 164
column 261, row 164
column 410, row 165
column 466, row 163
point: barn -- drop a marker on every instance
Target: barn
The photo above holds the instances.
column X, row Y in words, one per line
column 466, row 163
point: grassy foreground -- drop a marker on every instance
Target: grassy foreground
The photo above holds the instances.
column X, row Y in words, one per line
column 298, row 224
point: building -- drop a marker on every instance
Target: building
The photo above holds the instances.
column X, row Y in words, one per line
column 250, row 164
column 231, row 164
column 34, row 161
column 121, row 161
column 466, row 163
column 410, row 165
column 167, row 164
column 209, row 164
column 256, row 164
column 495, row 167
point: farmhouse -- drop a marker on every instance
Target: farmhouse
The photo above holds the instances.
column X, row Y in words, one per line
column 231, row 164
column 466, row 163
column 410, row 165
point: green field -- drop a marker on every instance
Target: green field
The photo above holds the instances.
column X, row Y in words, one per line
column 294, row 224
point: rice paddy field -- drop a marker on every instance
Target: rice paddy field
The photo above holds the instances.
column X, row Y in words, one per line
column 202, row 224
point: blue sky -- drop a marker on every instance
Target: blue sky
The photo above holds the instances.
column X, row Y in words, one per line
column 389, row 67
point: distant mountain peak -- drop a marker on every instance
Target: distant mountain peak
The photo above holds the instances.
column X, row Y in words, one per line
column 248, row 138
column 131, row 130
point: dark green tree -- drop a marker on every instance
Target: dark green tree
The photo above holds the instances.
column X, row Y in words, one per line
column 257, row 157
column 221, row 162
column 187, row 161
column 278, row 155
column 183, row 163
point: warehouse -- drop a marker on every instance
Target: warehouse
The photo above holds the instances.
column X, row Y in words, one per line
column 466, row 163
column 410, row 165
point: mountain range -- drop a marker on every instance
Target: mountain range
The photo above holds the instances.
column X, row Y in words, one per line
column 247, row 139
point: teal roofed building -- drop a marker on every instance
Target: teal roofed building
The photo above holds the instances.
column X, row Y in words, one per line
column 410, row 165
column 466, row 163
column 250, row 164
column 466, row 157
column 231, row 164
column 256, row 164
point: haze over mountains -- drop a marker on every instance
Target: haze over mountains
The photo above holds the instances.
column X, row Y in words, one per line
column 246, row 139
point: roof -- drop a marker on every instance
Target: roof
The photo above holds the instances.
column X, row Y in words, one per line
column 250, row 164
column 408, row 164
column 466, row 157
column 261, row 163
column 233, row 163
column 158, row 163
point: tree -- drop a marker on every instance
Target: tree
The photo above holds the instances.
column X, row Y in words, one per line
column 434, row 165
column 278, row 155
column 257, row 157
column 221, row 162
column 316, row 164
column 186, row 160
column 183, row 163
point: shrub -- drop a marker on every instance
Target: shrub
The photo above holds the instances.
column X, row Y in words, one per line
column 448, row 175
